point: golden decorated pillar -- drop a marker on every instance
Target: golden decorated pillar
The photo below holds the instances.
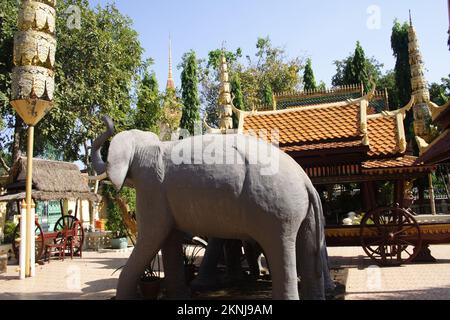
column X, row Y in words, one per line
column 33, row 84
column 225, row 108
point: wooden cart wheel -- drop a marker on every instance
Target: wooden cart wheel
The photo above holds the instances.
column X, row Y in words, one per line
column 390, row 236
column 39, row 242
column 77, row 234
column 78, row 238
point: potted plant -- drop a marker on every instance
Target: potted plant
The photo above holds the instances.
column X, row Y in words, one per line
column 119, row 242
column 150, row 282
column 191, row 253
column 6, row 244
column 114, row 222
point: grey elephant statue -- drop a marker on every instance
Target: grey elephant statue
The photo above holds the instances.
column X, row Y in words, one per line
column 223, row 186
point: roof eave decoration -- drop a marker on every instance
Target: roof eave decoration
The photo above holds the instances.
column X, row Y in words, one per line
column 209, row 129
column 369, row 96
column 437, row 110
column 422, row 144
column 363, row 124
column 403, row 110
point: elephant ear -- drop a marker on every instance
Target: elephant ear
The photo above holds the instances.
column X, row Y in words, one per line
column 120, row 157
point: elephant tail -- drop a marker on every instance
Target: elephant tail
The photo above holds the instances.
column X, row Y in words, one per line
column 318, row 217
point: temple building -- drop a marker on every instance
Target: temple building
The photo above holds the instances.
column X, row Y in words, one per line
column 343, row 136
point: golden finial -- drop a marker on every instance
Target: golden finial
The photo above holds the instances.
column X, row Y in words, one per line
column 170, row 81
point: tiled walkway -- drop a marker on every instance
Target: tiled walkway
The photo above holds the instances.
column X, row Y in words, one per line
column 92, row 278
column 88, row 278
column 409, row 282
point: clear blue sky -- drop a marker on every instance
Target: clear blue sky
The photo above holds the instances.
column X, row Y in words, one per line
column 323, row 30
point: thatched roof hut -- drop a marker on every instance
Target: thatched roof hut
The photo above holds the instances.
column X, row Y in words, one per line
column 52, row 180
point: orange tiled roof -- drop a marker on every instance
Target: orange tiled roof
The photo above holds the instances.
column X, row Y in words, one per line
column 383, row 136
column 406, row 161
column 310, row 125
column 322, row 146
column 392, row 166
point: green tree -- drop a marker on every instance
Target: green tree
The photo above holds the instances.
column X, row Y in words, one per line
column 96, row 69
column 215, row 56
column 353, row 70
column 171, row 114
column 236, row 91
column 440, row 93
column 347, row 71
column 10, row 123
column 189, row 89
column 267, row 95
column 400, row 44
column 148, row 109
column 387, row 81
column 322, row 86
column 309, row 81
column 269, row 67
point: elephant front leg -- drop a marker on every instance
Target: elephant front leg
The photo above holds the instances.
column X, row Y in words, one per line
column 141, row 258
column 151, row 238
column 175, row 277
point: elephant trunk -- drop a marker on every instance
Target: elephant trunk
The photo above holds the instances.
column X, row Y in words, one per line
column 97, row 161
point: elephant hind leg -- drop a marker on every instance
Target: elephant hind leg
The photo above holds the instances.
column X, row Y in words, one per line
column 308, row 260
column 280, row 253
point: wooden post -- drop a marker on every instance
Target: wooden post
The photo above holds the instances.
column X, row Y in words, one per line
column 432, row 196
column 30, row 216
column 400, row 193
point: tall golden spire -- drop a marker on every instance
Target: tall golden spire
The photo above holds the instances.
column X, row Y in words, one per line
column 225, row 107
column 170, row 81
column 422, row 114
column 418, row 82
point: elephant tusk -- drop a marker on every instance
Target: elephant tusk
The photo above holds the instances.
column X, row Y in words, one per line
column 99, row 178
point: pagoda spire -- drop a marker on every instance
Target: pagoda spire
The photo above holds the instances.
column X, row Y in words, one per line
column 418, row 82
column 170, row 81
column 419, row 85
column 225, row 107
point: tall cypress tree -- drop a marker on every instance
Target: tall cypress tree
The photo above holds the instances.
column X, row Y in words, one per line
column 359, row 63
column 399, row 44
column 356, row 71
column 189, row 94
column 267, row 94
column 309, row 80
column 236, row 91
column 148, row 111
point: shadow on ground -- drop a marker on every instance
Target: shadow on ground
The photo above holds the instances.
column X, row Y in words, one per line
column 441, row 293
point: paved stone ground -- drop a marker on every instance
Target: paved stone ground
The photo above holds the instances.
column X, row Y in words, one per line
column 409, row 282
column 92, row 278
